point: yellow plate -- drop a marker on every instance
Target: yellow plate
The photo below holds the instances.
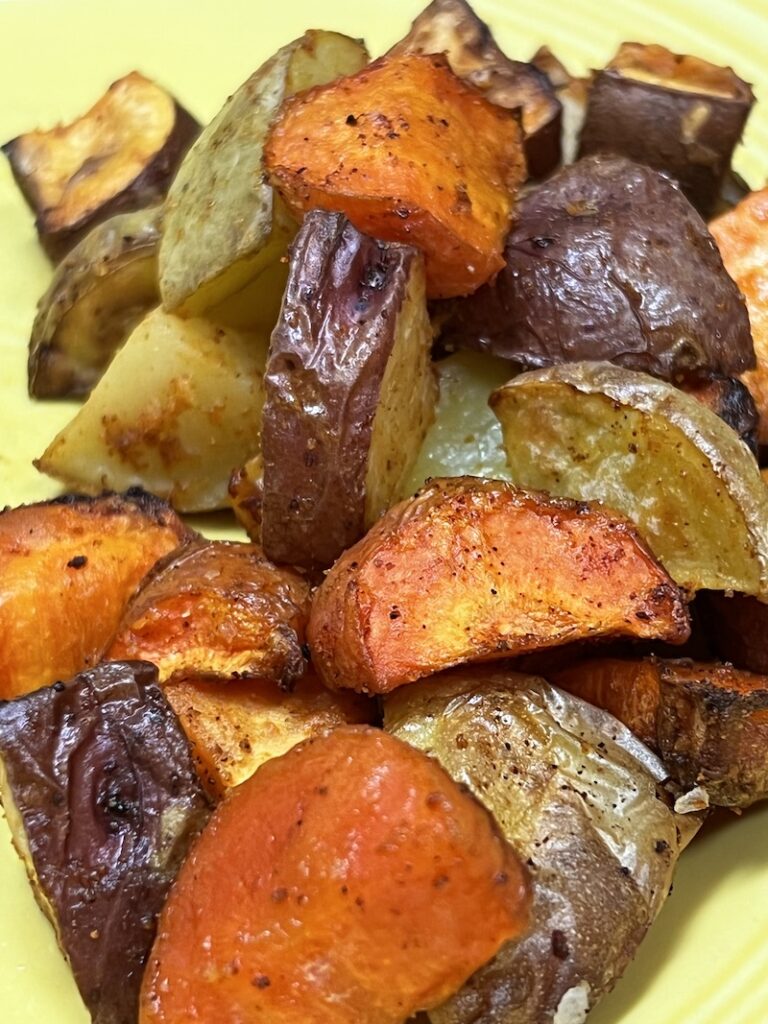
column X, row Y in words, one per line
column 706, row 960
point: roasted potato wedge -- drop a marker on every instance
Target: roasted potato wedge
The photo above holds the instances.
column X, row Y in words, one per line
column 452, row 27
column 120, row 156
column 708, row 723
column 219, row 610
column 579, row 797
column 472, row 570
column 178, row 410
column 597, row 432
column 742, row 237
column 350, row 390
column 673, row 112
column 102, row 798
column 210, row 251
column 608, row 260
column 729, row 398
column 99, row 293
column 369, row 884
column 409, row 153
column 68, row 568
column 236, row 728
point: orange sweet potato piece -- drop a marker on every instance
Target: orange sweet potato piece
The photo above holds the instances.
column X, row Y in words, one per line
column 234, row 729
column 472, row 570
column 350, row 881
column 67, row 570
column 217, row 609
column 409, row 153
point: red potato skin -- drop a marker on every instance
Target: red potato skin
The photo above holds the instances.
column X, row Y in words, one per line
column 349, row 882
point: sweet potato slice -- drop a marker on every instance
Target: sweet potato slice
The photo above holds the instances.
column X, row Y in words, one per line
column 234, row 729
column 120, row 156
column 410, row 154
column 350, row 390
column 220, row 610
column 99, row 789
column 473, row 570
column 368, row 885
column 742, row 237
column 452, row 27
column 67, row 570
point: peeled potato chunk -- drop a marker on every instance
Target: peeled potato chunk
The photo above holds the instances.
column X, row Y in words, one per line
column 178, row 410
column 409, row 153
column 67, row 570
column 212, row 250
column 234, row 729
column 217, row 609
column 350, row 390
column 473, row 570
column 597, row 432
column 120, row 156
column 580, row 798
column 367, row 883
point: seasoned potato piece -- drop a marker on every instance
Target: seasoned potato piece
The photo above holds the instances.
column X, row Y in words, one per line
column 608, row 260
column 209, row 250
column 472, row 570
column 578, row 796
column 452, row 27
column 596, row 432
column 673, row 112
column 369, row 886
column 176, row 412
column 217, row 609
column 410, row 154
column 234, row 729
column 99, row 293
column 742, row 237
column 120, row 156
column 99, row 789
column 349, row 390
column 68, row 568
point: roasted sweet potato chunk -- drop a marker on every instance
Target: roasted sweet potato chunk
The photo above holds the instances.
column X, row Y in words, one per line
column 410, row 154
column 67, row 570
column 452, row 27
column 673, row 112
column 234, row 729
column 220, row 610
column 368, row 884
column 99, row 789
column 472, row 570
column 120, row 156
column 350, row 390
column 742, row 237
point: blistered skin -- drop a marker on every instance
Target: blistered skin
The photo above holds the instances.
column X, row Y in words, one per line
column 608, row 260
column 103, row 799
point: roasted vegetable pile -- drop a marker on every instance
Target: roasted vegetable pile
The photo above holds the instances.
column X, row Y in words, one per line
column 447, row 333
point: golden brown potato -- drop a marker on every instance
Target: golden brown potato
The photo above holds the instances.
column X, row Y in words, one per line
column 212, row 250
column 67, row 569
column 410, row 154
column 598, row 432
column 99, row 293
column 120, row 156
column 472, row 570
column 177, row 411
column 220, row 610
column 237, row 727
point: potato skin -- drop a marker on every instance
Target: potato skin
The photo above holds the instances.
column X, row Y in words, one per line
column 657, row 297
column 99, row 785
column 473, row 570
column 369, row 886
column 220, row 610
column 68, row 568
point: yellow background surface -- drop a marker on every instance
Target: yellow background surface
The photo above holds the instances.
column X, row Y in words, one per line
column 706, row 959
